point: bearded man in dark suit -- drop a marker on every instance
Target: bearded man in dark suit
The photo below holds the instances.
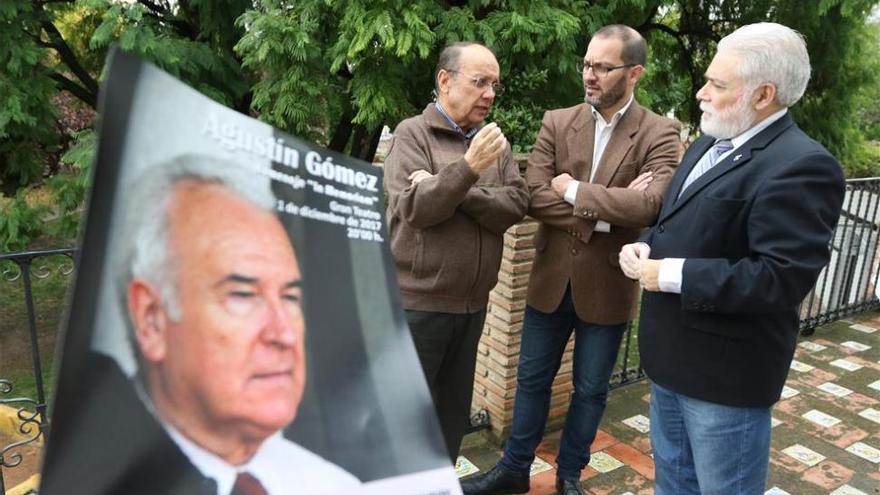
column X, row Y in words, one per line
column 742, row 236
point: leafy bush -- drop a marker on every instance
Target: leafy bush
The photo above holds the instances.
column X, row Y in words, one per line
column 19, row 222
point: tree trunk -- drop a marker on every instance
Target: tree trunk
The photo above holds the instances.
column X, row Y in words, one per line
column 365, row 142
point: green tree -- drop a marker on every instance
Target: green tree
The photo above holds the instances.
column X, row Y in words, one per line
column 337, row 71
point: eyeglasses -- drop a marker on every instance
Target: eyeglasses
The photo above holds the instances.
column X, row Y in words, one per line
column 600, row 70
column 481, row 83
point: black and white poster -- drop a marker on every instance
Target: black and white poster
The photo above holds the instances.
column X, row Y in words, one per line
column 235, row 325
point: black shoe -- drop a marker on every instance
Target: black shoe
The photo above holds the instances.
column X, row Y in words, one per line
column 569, row 487
column 497, row 481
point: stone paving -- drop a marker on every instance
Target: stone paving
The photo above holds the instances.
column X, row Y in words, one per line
column 826, row 428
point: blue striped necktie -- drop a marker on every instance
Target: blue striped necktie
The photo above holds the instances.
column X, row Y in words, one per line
column 709, row 159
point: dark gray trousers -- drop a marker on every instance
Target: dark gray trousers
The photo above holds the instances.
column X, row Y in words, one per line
column 447, row 347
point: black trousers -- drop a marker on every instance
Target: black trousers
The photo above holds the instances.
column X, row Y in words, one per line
column 447, row 347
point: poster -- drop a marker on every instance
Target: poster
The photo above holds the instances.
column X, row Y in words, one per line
column 235, row 323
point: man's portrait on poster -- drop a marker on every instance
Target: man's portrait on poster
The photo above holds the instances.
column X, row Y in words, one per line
column 212, row 288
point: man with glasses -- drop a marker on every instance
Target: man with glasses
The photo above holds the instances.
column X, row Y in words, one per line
column 596, row 175
column 453, row 189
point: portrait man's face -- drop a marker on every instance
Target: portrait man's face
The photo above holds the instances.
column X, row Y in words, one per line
column 233, row 364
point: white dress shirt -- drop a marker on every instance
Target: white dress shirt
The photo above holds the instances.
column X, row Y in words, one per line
column 602, row 136
column 282, row 467
column 670, row 273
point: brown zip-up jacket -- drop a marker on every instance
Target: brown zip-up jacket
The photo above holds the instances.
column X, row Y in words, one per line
column 447, row 230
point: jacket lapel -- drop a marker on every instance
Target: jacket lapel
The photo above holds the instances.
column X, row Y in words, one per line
column 738, row 158
column 580, row 141
column 619, row 144
column 688, row 162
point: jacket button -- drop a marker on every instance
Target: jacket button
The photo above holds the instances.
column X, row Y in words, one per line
column 574, row 252
column 661, row 228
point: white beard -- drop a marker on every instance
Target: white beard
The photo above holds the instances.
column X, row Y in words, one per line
column 730, row 122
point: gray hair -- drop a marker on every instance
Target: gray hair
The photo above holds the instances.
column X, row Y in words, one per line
column 771, row 53
column 146, row 251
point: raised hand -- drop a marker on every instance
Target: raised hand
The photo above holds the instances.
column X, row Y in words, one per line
column 486, row 146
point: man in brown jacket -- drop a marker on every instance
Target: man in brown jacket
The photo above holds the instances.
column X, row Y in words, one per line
column 596, row 176
column 453, row 190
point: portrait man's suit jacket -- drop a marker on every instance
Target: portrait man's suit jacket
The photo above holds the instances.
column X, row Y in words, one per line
column 755, row 232
column 567, row 247
column 115, row 446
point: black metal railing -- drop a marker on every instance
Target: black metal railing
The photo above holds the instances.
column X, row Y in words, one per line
column 32, row 412
column 847, row 285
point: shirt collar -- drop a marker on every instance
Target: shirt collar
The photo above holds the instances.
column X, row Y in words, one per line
column 206, row 462
column 755, row 129
column 614, row 118
column 467, row 134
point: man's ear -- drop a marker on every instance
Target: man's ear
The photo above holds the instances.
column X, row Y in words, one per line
column 635, row 74
column 764, row 96
column 149, row 319
column 443, row 80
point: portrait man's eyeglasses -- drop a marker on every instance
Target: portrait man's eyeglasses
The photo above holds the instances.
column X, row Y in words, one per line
column 481, row 83
column 600, row 70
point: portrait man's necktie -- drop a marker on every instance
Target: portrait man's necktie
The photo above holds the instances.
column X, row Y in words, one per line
column 707, row 162
column 246, row 484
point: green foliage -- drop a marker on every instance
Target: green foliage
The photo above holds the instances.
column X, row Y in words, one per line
column 26, row 114
column 19, row 222
column 69, row 190
column 336, row 72
column 521, row 119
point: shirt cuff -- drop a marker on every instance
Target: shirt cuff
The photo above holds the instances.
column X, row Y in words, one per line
column 571, row 191
column 669, row 277
column 602, row 226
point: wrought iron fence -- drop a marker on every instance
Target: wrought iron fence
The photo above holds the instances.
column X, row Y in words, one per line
column 32, row 412
column 845, row 287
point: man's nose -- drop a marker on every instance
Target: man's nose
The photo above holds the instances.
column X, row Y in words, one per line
column 280, row 327
column 590, row 76
column 701, row 93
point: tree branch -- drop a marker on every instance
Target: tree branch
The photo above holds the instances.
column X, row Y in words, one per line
column 184, row 28
column 73, row 88
column 70, row 60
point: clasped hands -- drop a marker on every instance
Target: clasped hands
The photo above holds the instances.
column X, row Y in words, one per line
column 635, row 264
column 485, row 149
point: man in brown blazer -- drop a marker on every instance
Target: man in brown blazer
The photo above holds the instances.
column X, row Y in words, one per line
column 596, row 175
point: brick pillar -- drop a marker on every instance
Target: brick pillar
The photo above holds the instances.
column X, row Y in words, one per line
column 498, row 352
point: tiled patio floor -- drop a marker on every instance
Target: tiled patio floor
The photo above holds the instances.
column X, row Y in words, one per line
column 826, row 433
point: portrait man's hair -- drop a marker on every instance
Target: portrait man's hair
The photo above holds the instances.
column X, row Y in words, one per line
column 146, row 250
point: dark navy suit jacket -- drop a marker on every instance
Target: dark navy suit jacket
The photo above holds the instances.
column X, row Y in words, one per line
column 114, row 445
column 755, row 232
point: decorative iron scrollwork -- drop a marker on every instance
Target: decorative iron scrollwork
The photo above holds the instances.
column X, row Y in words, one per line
column 29, row 426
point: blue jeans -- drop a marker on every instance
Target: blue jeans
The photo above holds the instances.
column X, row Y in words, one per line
column 705, row 448
column 544, row 337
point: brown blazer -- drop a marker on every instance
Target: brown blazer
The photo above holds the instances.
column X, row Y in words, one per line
column 567, row 248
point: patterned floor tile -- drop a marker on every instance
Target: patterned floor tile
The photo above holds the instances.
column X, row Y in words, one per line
column 804, row 455
column 863, row 328
column 828, row 475
column 865, row 451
